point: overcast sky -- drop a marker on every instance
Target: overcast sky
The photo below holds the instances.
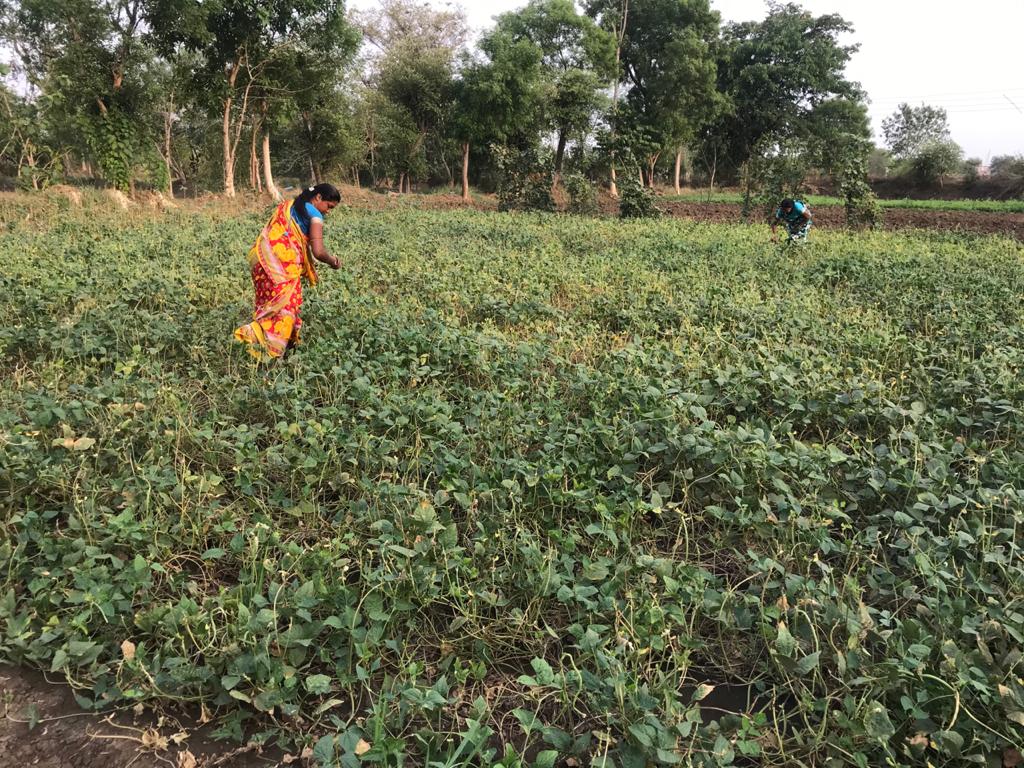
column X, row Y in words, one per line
column 965, row 57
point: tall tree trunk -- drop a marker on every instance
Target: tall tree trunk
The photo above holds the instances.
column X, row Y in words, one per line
column 448, row 170
column 401, row 182
column 229, row 161
column 465, row 171
column 254, row 162
column 620, row 35
column 651, row 162
column 268, row 173
column 560, row 155
column 679, row 165
column 309, row 132
column 355, row 177
column 168, row 124
column 229, row 155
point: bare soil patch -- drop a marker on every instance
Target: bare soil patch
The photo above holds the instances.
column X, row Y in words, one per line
column 42, row 726
column 833, row 216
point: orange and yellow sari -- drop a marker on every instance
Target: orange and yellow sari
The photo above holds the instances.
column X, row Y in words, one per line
column 278, row 260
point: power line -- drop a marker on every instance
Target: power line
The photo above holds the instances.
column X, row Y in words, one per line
column 950, row 94
column 955, row 102
column 1000, row 99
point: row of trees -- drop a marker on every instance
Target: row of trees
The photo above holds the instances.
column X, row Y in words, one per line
column 920, row 148
column 187, row 93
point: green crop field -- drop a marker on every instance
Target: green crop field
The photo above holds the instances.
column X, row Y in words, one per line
column 992, row 206
column 536, row 491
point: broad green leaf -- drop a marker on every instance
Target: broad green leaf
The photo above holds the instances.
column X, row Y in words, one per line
column 702, row 692
column 808, row 663
column 948, row 742
column 785, row 643
column 318, row 684
column 877, row 724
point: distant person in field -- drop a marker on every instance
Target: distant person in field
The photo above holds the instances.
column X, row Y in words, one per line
column 796, row 215
column 282, row 254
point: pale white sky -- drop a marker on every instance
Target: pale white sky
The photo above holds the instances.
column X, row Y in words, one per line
column 966, row 58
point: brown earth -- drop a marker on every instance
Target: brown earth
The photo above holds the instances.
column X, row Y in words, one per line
column 42, row 726
column 832, row 216
column 977, row 222
column 19, row 205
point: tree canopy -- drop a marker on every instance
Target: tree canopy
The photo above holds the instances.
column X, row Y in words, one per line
column 175, row 93
column 909, row 129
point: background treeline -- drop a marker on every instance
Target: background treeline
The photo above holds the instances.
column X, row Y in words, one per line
column 191, row 96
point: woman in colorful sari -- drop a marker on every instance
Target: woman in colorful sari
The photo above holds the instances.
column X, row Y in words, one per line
column 278, row 260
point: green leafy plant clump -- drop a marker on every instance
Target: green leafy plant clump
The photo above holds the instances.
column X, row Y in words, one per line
column 637, row 201
column 533, row 491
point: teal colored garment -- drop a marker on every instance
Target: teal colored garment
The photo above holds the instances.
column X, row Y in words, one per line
column 304, row 222
column 797, row 225
column 795, row 215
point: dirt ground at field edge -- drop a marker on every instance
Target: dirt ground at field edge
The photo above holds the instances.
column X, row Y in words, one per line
column 829, row 217
column 64, row 736
column 833, row 216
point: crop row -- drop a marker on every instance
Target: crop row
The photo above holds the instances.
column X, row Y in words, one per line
column 535, row 488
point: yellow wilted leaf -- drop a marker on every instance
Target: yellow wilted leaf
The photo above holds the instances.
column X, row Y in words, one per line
column 186, row 760
column 128, row 650
column 83, row 444
column 702, row 692
column 362, row 747
column 153, row 739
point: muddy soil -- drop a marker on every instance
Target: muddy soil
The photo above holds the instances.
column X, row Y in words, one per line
column 976, row 222
column 832, row 216
column 42, row 726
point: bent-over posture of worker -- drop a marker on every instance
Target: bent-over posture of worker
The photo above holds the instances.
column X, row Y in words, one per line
column 282, row 254
column 796, row 215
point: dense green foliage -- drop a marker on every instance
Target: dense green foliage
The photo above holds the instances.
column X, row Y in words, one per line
column 535, row 487
column 787, row 90
column 193, row 96
column 909, row 130
column 637, row 201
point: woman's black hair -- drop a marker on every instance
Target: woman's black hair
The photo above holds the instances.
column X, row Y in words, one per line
column 328, row 193
column 787, row 203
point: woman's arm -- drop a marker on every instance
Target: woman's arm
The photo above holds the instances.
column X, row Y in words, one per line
column 316, row 244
